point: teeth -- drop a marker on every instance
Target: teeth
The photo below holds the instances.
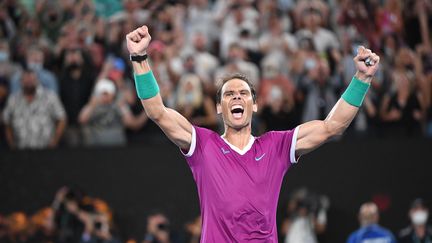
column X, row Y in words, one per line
column 236, row 107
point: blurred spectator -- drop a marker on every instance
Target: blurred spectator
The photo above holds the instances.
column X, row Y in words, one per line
column 76, row 83
column 418, row 231
column 158, row 229
column 7, row 67
column 35, row 61
column 276, row 41
column 65, row 207
column 34, row 117
column 16, row 228
column 193, row 230
column 320, row 90
column 312, row 20
column 306, row 217
column 276, row 98
column 402, row 108
column 193, row 103
column 205, row 63
column 42, row 227
column 369, row 230
column 96, row 216
column 105, row 118
column 237, row 62
column 417, row 18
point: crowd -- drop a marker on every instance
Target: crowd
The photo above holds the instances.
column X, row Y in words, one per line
column 65, row 78
column 75, row 217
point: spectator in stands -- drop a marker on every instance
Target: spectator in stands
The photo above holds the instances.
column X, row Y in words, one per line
column 104, row 118
column 369, row 230
column 7, row 67
column 96, row 217
column 418, row 231
column 16, row 228
column 312, row 21
column 158, row 229
column 306, row 217
column 194, row 104
column 193, row 230
column 76, row 83
column 276, row 41
column 34, row 117
column 237, row 61
column 402, row 108
column 35, row 62
column 320, row 90
column 42, row 227
column 276, row 97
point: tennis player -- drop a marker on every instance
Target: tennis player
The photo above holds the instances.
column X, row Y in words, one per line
column 239, row 176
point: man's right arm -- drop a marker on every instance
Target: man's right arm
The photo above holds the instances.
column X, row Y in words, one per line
column 174, row 125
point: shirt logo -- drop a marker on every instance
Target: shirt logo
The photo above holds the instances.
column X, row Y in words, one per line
column 259, row 158
column 225, row 151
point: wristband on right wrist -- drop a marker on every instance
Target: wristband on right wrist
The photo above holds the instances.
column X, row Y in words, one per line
column 146, row 85
column 356, row 91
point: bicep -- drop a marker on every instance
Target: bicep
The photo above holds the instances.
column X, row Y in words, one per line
column 310, row 136
column 176, row 127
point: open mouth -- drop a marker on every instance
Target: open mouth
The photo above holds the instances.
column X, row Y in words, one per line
column 237, row 111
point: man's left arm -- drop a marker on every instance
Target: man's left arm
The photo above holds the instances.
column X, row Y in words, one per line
column 314, row 133
column 59, row 114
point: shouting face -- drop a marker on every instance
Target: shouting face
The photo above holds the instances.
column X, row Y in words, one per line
column 236, row 104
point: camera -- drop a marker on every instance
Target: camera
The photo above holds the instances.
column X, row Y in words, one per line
column 163, row 226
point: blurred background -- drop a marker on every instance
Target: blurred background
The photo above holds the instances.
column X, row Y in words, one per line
column 81, row 162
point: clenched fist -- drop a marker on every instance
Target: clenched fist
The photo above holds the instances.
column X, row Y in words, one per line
column 138, row 40
column 366, row 63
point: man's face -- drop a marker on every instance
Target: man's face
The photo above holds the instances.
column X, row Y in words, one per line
column 236, row 105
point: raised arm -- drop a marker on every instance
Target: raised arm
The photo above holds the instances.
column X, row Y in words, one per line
column 314, row 133
column 174, row 125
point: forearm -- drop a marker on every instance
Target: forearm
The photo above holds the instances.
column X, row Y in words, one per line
column 340, row 117
column 85, row 113
column 9, row 137
column 61, row 125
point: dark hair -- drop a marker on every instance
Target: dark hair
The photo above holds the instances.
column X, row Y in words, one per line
column 229, row 77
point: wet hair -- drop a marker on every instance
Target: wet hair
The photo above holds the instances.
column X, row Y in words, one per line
column 230, row 77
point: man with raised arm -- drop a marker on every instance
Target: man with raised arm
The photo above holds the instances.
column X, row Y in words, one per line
column 239, row 176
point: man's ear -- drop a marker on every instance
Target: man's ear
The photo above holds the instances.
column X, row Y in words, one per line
column 255, row 107
column 218, row 108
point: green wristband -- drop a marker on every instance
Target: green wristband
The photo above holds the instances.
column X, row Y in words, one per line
column 146, row 85
column 356, row 91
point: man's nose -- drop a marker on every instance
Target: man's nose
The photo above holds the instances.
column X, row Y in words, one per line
column 236, row 96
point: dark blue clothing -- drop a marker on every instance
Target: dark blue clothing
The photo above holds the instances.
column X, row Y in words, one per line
column 371, row 234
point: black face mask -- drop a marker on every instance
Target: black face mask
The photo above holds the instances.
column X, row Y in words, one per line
column 73, row 66
column 29, row 90
column 409, row 67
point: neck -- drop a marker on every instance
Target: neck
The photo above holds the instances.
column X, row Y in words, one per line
column 239, row 138
column 420, row 231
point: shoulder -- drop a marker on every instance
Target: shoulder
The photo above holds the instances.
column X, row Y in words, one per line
column 385, row 231
column 405, row 232
column 352, row 236
column 204, row 134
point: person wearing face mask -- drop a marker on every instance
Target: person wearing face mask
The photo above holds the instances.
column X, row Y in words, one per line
column 369, row 230
column 34, row 117
column 418, row 231
column 35, row 61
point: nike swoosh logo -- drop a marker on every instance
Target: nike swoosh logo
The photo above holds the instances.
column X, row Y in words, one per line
column 225, row 151
column 259, row 158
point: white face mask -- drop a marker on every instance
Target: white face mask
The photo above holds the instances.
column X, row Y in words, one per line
column 419, row 217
